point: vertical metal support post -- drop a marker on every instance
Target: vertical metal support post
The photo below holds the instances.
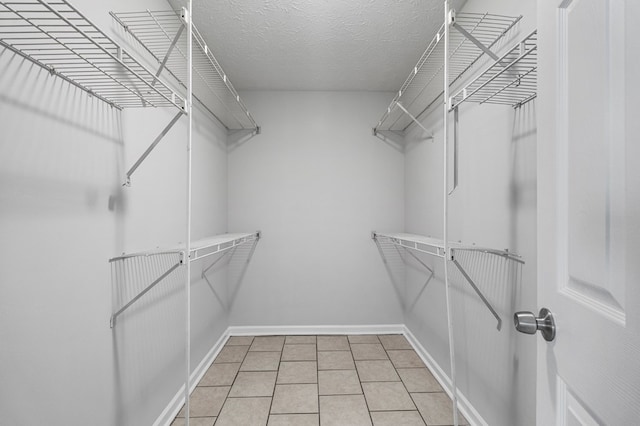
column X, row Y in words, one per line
column 445, row 195
column 187, row 388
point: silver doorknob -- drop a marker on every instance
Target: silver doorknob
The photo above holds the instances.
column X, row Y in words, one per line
column 526, row 322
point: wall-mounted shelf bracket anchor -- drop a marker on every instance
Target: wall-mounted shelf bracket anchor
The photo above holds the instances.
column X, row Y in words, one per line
column 476, row 289
column 151, row 147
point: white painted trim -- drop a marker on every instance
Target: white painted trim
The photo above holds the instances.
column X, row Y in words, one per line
column 278, row 330
column 176, row 403
column 468, row 411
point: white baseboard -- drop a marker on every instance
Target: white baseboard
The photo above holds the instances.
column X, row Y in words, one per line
column 468, row 411
column 296, row 330
column 176, row 403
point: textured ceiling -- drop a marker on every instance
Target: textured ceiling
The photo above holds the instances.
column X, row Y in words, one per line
column 318, row 44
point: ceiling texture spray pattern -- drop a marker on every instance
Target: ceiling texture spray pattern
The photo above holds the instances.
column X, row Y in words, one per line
column 318, row 44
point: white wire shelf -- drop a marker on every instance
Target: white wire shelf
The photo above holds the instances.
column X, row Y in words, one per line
column 60, row 39
column 510, row 80
column 435, row 247
column 162, row 34
column 199, row 248
column 472, row 36
column 135, row 267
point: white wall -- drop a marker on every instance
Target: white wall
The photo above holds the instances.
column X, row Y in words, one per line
column 494, row 206
column 316, row 182
column 63, row 214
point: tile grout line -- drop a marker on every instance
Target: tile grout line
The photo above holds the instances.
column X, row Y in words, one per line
column 361, row 387
column 273, row 393
column 234, row 378
column 402, row 381
column 317, row 371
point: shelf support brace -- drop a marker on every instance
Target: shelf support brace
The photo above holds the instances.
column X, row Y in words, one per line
column 475, row 41
column 225, row 254
column 415, row 120
column 477, row 290
column 420, row 262
column 151, row 147
column 166, row 57
column 112, row 322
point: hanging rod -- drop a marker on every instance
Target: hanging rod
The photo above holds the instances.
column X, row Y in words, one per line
column 199, row 250
column 60, row 39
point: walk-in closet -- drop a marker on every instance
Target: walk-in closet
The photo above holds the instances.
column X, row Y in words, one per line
column 323, row 213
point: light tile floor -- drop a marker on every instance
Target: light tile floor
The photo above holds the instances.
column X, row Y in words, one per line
column 319, row 381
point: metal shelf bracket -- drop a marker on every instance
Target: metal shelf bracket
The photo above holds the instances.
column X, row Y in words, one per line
column 151, row 147
column 476, row 289
column 112, row 321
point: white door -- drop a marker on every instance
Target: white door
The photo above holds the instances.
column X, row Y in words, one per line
column 589, row 211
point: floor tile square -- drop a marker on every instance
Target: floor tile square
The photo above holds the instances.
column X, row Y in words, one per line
column 405, row 359
column 298, row 372
column 220, row 374
column 335, row 360
column 239, row 341
column 338, row 382
column 366, row 351
column 294, row 420
column 253, row 383
column 394, row 341
column 300, row 340
column 206, row 401
column 377, row 371
column 419, row 380
column 387, row 396
column 231, row 354
column 344, row 410
column 244, row 412
column 267, row 344
column 436, row 408
column 293, row 399
column 194, row 421
column 261, row 361
column 363, row 338
column 333, row 343
column 301, row 352
column 397, row 418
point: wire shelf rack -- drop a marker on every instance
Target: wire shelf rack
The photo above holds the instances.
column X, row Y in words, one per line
column 510, row 80
column 60, row 39
column 424, row 87
column 435, row 247
column 161, row 34
column 132, row 272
